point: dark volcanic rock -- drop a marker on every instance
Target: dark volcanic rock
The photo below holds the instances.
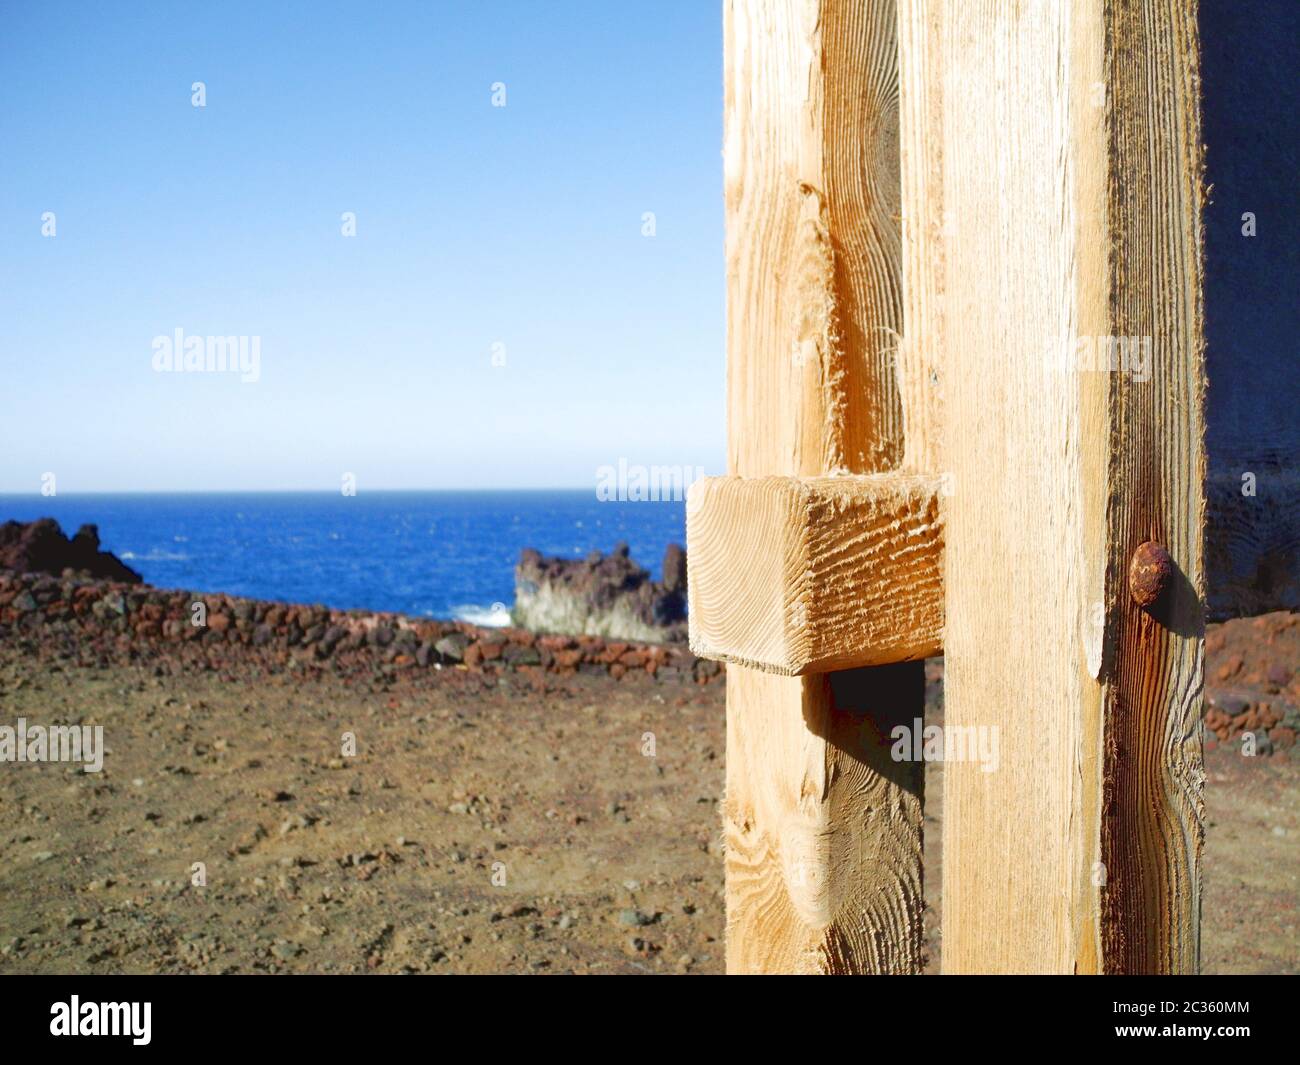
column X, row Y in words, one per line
column 601, row 595
column 675, row 569
column 40, row 547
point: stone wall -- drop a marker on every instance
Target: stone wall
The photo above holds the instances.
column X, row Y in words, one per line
column 78, row 616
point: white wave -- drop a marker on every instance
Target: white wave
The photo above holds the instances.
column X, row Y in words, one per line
column 156, row 555
column 496, row 616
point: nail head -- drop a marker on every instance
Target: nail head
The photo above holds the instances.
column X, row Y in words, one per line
column 1149, row 573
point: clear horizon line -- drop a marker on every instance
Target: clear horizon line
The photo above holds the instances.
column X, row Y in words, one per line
column 281, row 491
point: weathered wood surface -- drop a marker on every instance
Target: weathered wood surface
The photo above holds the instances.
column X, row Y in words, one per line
column 812, row 197
column 920, row 122
column 1071, row 184
column 1152, row 774
column 1252, row 319
column 807, row 575
column 823, row 829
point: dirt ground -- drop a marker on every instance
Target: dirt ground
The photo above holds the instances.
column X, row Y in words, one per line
column 475, row 830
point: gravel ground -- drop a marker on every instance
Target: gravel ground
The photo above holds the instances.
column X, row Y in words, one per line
column 479, row 827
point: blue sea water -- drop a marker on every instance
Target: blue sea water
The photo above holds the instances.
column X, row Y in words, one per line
column 436, row 554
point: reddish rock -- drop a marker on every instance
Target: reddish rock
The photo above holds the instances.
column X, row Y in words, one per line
column 1230, row 668
column 520, row 656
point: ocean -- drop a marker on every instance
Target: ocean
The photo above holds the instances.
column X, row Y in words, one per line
column 434, row 554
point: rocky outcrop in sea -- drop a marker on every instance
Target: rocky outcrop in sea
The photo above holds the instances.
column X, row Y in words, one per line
column 602, row 595
column 41, row 547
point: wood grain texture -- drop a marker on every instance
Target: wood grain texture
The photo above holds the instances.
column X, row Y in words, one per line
column 823, row 827
column 1071, row 178
column 920, row 134
column 1151, row 826
column 823, row 830
column 812, row 194
column 807, row 575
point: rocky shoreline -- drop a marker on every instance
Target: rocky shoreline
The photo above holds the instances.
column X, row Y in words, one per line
column 65, row 596
column 74, row 615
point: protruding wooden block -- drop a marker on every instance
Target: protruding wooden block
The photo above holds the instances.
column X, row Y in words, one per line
column 808, row 575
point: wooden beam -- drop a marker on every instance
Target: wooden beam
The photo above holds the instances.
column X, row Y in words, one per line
column 823, row 829
column 808, row 575
column 1071, row 180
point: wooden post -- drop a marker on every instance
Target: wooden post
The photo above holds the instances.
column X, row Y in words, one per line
column 823, row 828
column 1071, row 189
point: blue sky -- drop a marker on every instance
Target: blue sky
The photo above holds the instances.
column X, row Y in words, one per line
column 475, row 225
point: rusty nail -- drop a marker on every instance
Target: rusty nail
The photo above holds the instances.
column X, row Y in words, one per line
column 1149, row 573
